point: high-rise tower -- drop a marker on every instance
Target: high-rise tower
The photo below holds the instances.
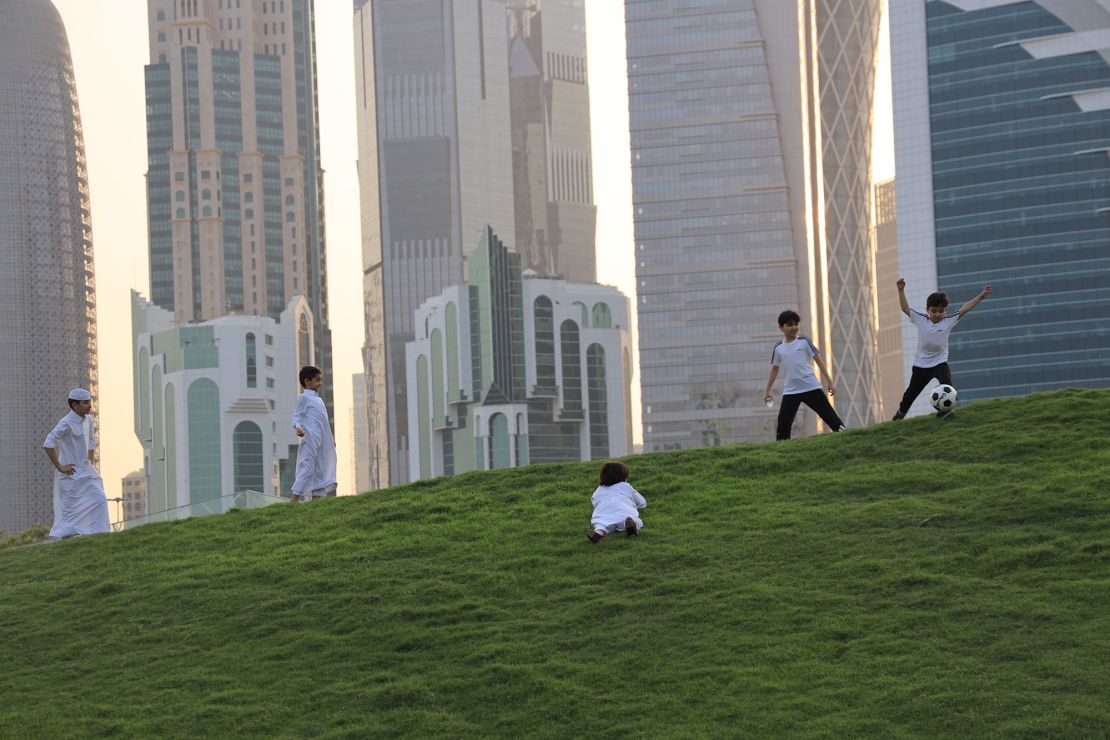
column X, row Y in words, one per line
column 750, row 133
column 435, row 167
column 1002, row 138
column 234, row 182
column 552, row 169
column 47, row 286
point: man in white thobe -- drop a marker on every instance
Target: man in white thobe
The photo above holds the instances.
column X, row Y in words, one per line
column 316, row 455
column 80, row 506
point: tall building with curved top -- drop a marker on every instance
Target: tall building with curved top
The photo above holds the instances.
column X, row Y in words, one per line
column 1002, row 139
column 47, row 286
column 750, row 129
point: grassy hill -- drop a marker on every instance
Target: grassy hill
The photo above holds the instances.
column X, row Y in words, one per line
column 925, row 577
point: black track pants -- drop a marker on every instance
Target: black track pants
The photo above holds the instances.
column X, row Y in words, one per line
column 919, row 378
column 816, row 400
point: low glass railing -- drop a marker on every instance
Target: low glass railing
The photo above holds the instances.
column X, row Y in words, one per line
column 221, row 505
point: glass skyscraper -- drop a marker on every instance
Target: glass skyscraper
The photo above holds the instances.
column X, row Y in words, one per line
column 1002, row 125
column 435, row 167
column 234, row 182
column 750, row 132
column 47, row 283
column 552, row 168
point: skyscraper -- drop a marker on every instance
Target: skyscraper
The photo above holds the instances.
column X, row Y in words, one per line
column 1002, row 139
column 751, row 135
column 552, row 170
column 435, row 166
column 234, row 183
column 892, row 372
column 47, row 285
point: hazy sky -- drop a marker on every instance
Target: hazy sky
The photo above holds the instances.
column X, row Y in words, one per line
column 108, row 41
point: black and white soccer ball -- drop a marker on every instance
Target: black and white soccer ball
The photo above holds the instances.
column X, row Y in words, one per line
column 944, row 398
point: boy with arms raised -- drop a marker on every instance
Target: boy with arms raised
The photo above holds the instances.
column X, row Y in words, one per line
column 797, row 354
column 933, row 327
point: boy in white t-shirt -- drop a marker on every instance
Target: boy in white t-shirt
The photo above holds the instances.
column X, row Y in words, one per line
column 933, row 327
column 797, row 355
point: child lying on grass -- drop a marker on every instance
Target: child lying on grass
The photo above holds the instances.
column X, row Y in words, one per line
column 616, row 504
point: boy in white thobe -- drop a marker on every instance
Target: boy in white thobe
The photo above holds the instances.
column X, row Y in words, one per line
column 616, row 504
column 316, row 455
column 80, row 506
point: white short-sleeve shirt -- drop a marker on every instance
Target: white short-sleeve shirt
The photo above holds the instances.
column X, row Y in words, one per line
column 932, row 339
column 797, row 359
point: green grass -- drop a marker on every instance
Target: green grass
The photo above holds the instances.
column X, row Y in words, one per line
column 919, row 578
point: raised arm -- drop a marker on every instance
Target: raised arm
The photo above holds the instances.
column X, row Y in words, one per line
column 902, row 296
column 975, row 301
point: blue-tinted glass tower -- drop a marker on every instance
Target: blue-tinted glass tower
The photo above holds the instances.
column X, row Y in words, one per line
column 1002, row 118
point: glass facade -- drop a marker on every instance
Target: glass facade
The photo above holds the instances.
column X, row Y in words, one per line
column 435, row 169
column 249, row 461
column 204, row 440
column 741, row 128
column 48, row 293
column 1021, row 179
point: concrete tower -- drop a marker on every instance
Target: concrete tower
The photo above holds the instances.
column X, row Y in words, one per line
column 47, row 286
column 234, row 183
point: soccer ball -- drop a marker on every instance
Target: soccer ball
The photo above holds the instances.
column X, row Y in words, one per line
column 944, row 398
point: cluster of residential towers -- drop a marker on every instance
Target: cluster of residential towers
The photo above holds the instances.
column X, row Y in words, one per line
column 488, row 341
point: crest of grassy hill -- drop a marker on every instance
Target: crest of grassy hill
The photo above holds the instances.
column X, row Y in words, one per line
column 923, row 577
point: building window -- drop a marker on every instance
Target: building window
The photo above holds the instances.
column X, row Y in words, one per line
column 204, row 440
column 602, row 319
column 544, row 318
column 598, row 400
column 252, row 362
column 499, row 455
column 572, row 367
column 303, row 347
column 248, row 458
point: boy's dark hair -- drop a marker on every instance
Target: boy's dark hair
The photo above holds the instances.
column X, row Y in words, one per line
column 71, row 401
column 788, row 316
column 937, row 299
column 613, row 472
column 308, row 372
